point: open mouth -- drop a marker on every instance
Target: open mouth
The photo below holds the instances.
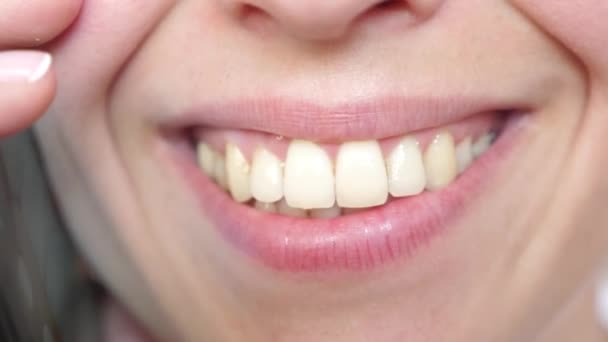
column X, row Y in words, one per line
column 340, row 201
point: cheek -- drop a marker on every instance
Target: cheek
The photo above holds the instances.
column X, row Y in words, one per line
column 580, row 25
column 92, row 52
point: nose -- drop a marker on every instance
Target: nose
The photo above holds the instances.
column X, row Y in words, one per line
column 331, row 19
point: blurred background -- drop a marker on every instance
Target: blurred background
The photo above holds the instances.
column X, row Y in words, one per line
column 45, row 294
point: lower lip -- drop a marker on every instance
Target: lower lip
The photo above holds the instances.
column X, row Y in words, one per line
column 357, row 242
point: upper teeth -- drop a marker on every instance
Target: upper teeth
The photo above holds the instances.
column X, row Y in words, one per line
column 464, row 154
column 266, row 176
column 237, row 170
column 309, row 177
column 440, row 161
column 360, row 177
column 406, row 175
column 482, row 144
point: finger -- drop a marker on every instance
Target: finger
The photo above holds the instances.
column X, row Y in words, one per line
column 34, row 22
column 27, row 87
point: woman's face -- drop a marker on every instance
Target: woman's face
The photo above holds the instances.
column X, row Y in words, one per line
column 316, row 96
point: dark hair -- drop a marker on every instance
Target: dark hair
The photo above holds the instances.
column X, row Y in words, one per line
column 44, row 295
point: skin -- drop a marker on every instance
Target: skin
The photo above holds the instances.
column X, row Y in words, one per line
column 521, row 260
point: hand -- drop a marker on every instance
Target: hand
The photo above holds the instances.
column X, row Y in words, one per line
column 27, row 81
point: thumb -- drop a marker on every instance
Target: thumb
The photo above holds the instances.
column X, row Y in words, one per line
column 27, row 87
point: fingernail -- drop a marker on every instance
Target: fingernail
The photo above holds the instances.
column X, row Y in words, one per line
column 23, row 66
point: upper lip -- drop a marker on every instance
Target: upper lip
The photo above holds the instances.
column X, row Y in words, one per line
column 380, row 118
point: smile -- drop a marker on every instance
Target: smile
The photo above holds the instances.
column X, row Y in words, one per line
column 355, row 197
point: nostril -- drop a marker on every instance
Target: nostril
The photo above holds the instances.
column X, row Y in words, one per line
column 247, row 10
column 329, row 20
column 393, row 12
column 391, row 5
column 254, row 17
column 405, row 11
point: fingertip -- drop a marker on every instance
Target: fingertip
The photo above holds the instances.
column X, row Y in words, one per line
column 42, row 69
column 35, row 22
column 22, row 103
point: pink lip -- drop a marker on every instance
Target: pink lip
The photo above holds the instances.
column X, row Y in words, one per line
column 354, row 242
column 385, row 117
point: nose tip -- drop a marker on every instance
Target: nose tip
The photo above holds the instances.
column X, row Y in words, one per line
column 323, row 19
column 318, row 20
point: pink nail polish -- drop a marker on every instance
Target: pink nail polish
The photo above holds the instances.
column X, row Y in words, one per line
column 23, row 66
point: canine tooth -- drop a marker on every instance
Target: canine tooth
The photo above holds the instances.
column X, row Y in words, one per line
column 266, row 176
column 360, row 175
column 482, row 144
column 440, row 162
column 266, row 207
column 309, row 180
column 285, row 209
column 220, row 171
column 206, row 158
column 405, row 168
column 237, row 170
column 464, row 154
column 327, row 213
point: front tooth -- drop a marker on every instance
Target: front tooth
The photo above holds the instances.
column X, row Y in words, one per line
column 266, row 207
column 327, row 213
column 220, row 171
column 287, row 210
column 440, row 162
column 482, row 144
column 405, row 169
column 309, row 180
column 237, row 170
column 361, row 175
column 266, row 176
column 464, row 154
column 206, row 158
